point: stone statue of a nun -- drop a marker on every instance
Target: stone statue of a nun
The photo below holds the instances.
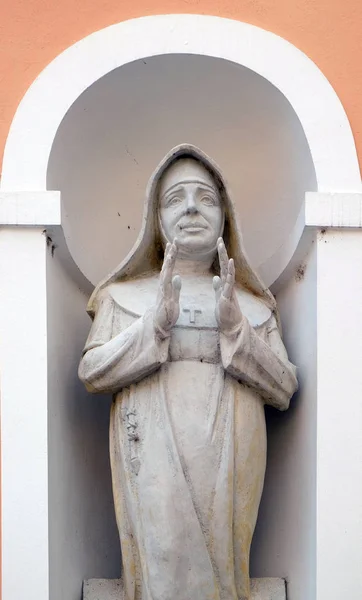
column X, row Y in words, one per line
column 186, row 338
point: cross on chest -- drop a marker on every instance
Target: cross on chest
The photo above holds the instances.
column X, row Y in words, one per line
column 192, row 313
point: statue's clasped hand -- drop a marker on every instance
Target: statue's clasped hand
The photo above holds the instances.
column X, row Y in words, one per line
column 227, row 310
column 167, row 309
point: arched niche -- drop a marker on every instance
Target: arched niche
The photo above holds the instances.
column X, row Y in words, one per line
column 115, row 133
column 90, row 127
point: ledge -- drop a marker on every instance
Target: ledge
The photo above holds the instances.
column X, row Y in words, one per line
column 333, row 209
column 267, row 588
column 35, row 209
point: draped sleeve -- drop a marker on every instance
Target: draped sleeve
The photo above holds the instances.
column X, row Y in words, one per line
column 120, row 350
column 259, row 359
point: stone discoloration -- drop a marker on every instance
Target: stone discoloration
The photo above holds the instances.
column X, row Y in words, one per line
column 268, row 588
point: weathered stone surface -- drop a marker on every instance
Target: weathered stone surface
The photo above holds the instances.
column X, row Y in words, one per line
column 186, row 338
column 103, row 589
column 267, row 588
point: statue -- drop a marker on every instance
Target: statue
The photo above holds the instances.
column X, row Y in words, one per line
column 186, row 338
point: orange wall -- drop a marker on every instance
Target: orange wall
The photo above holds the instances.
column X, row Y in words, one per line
column 33, row 32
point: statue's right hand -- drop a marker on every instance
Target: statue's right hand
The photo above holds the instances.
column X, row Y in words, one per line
column 167, row 307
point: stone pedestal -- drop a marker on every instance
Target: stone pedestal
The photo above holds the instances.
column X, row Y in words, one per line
column 267, row 588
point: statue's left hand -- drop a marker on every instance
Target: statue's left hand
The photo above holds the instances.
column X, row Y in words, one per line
column 227, row 310
column 167, row 309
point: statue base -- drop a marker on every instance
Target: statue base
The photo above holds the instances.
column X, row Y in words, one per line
column 266, row 588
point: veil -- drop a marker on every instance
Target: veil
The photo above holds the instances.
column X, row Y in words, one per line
column 146, row 255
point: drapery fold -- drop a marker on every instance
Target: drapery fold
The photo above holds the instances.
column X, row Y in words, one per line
column 187, row 447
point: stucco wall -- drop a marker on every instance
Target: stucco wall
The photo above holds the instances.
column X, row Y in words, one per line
column 33, row 32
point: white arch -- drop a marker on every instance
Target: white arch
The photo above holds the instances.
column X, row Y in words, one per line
column 48, row 99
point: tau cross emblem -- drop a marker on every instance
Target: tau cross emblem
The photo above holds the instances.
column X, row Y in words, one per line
column 192, row 312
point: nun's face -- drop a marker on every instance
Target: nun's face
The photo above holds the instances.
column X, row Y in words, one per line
column 190, row 208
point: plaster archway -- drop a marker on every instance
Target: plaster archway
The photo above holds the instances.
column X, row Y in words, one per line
column 46, row 102
column 313, row 99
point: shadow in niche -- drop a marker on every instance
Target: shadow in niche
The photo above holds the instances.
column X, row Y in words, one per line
column 281, row 430
column 83, row 535
column 276, row 424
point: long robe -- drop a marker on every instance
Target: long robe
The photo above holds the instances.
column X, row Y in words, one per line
column 187, row 443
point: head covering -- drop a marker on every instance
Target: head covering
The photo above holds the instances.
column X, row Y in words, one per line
column 146, row 255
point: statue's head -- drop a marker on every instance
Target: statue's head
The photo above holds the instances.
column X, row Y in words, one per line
column 190, row 208
column 187, row 198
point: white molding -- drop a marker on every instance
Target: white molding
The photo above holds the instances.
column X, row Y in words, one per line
column 320, row 210
column 56, row 88
column 30, row 208
column 333, row 210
